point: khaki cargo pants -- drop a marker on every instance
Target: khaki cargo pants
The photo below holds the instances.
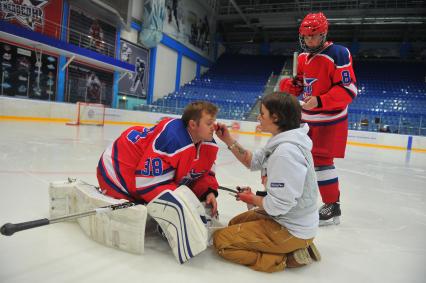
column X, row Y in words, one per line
column 254, row 239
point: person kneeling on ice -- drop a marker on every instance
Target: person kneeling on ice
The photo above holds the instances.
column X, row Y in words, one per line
column 280, row 232
column 169, row 167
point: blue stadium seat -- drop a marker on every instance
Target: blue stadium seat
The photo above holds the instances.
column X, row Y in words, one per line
column 397, row 98
column 234, row 83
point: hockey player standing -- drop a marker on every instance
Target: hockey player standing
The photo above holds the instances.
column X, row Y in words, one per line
column 327, row 81
column 140, row 73
column 126, row 52
column 157, row 165
column 96, row 36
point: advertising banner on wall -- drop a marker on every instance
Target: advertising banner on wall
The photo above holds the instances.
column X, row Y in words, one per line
column 42, row 16
column 27, row 73
column 88, row 84
column 91, row 33
column 183, row 20
column 137, row 84
column 189, row 23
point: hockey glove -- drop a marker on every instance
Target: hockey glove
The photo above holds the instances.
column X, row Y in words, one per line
column 290, row 86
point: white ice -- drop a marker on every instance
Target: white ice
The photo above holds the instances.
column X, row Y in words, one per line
column 382, row 237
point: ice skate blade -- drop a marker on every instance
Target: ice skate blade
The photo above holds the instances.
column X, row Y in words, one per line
column 331, row 221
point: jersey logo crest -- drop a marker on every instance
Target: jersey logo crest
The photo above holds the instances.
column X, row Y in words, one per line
column 307, row 86
column 191, row 176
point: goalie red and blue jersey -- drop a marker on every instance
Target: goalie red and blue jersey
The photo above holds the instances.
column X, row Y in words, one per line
column 143, row 162
column 329, row 76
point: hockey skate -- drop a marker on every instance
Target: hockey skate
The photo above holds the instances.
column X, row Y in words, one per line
column 329, row 214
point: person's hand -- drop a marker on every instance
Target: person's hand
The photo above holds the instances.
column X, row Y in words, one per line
column 211, row 200
column 223, row 134
column 246, row 196
column 310, row 102
column 290, row 86
column 244, row 189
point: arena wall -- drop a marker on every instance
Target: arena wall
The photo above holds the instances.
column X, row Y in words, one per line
column 34, row 110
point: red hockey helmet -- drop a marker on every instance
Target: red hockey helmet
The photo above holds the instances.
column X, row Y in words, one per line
column 314, row 23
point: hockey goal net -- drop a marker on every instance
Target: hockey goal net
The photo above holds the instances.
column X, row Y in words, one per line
column 89, row 114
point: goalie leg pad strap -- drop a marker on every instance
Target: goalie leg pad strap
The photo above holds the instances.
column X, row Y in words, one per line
column 181, row 223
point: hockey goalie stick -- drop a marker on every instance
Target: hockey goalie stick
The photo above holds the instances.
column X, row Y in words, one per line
column 9, row 229
column 239, row 190
column 228, row 189
column 295, row 56
column 295, row 62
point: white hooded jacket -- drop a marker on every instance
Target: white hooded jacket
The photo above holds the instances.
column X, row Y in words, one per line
column 291, row 183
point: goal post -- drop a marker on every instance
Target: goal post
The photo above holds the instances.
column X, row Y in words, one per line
column 89, row 114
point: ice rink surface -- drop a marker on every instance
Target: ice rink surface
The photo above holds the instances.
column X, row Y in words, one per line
column 381, row 238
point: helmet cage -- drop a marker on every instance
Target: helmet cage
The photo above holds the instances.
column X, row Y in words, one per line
column 314, row 49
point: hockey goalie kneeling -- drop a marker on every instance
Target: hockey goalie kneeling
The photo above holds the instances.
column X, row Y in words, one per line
column 182, row 218
column 179, row 213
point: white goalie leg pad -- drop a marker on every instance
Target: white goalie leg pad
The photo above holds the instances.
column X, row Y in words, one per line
column 61, row 198
column 180, row 220
column 192, row 201
column 123, row 229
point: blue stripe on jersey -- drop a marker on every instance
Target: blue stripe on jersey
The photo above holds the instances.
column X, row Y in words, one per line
column 146, row 190
column 327, row 123
column 169, row 198
column 173, row 137
column 323, row 168
column 310, row 112
column 328, row 182
column 117, row 167
column 339, row 53
column 109, row 182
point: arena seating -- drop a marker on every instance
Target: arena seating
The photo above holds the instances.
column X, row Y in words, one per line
column 391, row 97
column 234, row 83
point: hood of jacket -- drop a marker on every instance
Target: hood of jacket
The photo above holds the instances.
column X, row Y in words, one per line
column 297, row 136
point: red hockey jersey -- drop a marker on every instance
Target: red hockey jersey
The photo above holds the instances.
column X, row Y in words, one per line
column 329, row 75
column 143, row 162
